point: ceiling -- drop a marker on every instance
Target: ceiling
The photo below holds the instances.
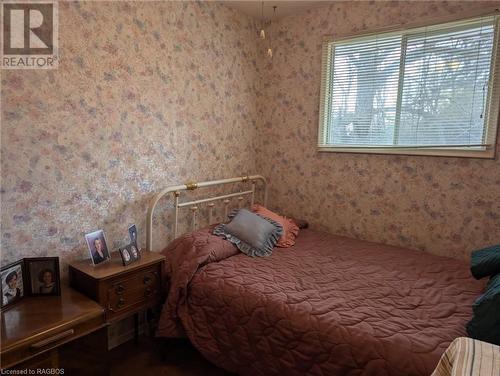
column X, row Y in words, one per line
column 284, row 8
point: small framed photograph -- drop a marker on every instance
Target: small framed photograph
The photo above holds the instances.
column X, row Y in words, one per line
column 134, row 250
column 42, row 276
column 129, row 254
column 132, row 231
column 12, row 283
column 126, row 255
column 96, row 242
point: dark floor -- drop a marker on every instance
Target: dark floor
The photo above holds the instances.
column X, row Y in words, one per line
column 160, row 356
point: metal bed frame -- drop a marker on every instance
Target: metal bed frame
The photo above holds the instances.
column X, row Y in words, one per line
column 209, row 201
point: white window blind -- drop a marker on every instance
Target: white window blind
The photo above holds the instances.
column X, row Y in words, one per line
column 411, row 91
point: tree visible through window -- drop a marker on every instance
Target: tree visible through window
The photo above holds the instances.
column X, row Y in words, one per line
column 421, row 88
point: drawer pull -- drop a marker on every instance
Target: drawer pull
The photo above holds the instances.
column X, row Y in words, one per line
column 147, row 292
column 147, row 279
column 120, row 289
column 54, row 338
column 121, row 302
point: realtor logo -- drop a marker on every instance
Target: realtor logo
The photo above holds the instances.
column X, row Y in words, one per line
column 29, row 35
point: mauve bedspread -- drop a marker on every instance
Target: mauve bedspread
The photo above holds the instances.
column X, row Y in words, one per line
column 327, row 306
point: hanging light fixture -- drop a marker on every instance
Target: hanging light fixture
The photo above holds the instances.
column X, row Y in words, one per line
column 269, row 49
column 262, row 32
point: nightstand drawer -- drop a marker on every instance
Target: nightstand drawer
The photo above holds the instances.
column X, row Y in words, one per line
column 121, row 290
column 133, row 289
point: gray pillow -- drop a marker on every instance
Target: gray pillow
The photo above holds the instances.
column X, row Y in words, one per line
column 251, row 233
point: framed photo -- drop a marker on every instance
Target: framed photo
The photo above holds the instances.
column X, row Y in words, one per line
column 129, row 254
column 12, row 283
column 96, row 242
column 134, row 251
column 132, row 231
column 126, row 255
column 42, row 276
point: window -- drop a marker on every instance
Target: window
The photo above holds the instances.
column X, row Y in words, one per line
column 430, row 90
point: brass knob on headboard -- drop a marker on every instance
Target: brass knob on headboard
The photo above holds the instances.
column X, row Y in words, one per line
column 190, row 185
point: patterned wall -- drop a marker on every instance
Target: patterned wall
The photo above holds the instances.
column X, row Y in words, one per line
column 146, row 95
column 150, row 94
column 447, row 206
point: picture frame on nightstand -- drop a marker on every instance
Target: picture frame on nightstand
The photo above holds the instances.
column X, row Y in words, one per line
column 98, row 248
column 132, row 231
column 129, row 254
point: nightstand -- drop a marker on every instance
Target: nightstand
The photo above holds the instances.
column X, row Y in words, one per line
column 121, row 290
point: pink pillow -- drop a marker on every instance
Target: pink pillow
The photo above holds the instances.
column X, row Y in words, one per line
column 290, row 229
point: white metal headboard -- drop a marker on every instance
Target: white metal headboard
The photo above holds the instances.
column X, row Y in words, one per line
column 176, row 190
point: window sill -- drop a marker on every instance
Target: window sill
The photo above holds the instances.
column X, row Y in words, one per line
column 434, row 152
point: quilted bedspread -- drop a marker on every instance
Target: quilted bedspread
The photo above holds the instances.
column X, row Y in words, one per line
column 329, row 305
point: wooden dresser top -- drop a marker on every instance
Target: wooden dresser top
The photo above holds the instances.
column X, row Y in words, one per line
column 114, row 267
column 41, row 315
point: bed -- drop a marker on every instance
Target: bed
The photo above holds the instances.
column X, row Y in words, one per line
column 329, row 305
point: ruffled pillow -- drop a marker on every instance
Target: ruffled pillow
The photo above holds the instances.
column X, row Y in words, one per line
column 251, row 233
column 290, row 229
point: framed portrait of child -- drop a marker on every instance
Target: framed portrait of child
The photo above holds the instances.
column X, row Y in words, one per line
column 43, row 276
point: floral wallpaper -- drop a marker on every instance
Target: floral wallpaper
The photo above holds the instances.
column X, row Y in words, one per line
column 146, row 95
column 447, row 206
column 149, row 94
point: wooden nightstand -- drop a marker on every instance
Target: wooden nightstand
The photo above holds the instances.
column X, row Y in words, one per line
column 121, row 290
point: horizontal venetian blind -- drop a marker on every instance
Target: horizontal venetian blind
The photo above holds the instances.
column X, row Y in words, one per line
column 429, row 87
